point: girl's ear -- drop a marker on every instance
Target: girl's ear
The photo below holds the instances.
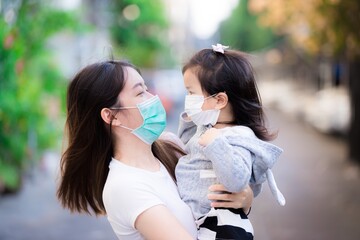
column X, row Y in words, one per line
column 108, row 117
column 222, row 100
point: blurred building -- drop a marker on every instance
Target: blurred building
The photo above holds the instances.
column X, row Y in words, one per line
column 75, row 50
column 312, row 91
column 179, row 34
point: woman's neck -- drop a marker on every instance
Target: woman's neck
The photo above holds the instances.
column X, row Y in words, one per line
column 136, row 154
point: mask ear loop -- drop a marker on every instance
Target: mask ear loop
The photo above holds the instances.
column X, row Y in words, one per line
column 112, row 118
column 224, row 122
column 214, row 95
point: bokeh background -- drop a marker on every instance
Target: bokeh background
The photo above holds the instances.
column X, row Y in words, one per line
column 306, row 55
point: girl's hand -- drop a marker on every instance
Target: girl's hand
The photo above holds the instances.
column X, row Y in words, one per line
column 209, row 136
column 224, row 199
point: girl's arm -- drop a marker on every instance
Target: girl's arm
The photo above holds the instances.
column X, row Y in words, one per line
column 231, row 162
column 159, row 223
column 186, row 128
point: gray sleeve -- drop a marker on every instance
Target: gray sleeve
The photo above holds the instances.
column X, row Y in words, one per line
column 186, row 129
column 232, row 163
column 264, row 156
column 169, row 136
column 256, row 188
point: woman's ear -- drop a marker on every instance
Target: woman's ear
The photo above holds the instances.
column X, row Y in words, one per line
column 108, row 117
column 222, row 100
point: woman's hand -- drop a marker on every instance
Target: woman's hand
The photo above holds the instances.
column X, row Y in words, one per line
column 223, row 199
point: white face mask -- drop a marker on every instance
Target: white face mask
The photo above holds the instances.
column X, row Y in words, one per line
column 193, row 105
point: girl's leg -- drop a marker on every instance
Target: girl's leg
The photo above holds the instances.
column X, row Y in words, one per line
column 226, row 224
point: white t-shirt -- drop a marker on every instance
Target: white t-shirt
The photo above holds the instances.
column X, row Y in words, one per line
column 129, row 191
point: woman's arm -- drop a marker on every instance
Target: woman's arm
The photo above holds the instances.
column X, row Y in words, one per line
column 159, row 223
column 222, row 198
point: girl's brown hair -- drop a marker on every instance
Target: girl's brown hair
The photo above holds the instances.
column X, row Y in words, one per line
column 85, row 163
column 232, row 73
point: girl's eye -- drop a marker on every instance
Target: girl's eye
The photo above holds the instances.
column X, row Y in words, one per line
column 141, row 93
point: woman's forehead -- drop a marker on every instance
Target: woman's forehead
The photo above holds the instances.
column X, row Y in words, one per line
column 132, row 78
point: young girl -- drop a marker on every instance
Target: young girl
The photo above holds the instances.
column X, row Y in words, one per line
column 226, row 140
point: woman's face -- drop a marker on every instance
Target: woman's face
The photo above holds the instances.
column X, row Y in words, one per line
column 134, row 92
column 193, row 87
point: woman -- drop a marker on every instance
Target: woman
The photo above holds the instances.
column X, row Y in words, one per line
column 114, row 163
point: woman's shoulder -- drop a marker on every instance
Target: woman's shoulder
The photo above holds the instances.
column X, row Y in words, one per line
column 122, row 178
column 127, row 185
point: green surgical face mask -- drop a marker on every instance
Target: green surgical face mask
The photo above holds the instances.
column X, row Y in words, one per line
column 154, row 123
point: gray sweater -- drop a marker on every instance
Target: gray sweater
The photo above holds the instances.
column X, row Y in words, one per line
column 235, row 159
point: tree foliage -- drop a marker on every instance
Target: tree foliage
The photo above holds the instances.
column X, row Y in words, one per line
column 138, row 29
column 328, row 27
column 243, row 32
column 30, row 88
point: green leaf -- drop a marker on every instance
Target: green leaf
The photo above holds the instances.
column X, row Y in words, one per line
column 9, row 175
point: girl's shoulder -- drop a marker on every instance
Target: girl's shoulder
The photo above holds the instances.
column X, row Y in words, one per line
column 239, row 130
column 171, row 137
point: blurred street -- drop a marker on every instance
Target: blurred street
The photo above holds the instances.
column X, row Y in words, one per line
column 321, row 188
column 35, row 213
column 320, row 184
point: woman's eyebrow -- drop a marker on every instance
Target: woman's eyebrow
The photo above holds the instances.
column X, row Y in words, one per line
column 139, row 84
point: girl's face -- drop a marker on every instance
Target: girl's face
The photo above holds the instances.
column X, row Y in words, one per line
column 134, row 92
column 193, row 87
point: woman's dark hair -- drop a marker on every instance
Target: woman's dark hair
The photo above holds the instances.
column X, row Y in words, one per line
column 85, row 163
column 232, row 73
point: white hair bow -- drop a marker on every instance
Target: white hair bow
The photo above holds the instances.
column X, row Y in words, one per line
column 219, row 48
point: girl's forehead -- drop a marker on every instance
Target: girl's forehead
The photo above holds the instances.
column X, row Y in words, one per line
column 191, row 80
column 190, row 77
column 190, row 72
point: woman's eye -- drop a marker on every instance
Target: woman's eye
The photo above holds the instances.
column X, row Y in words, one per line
column 143, row 91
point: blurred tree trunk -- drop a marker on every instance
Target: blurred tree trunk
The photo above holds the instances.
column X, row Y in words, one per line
column 354, row 133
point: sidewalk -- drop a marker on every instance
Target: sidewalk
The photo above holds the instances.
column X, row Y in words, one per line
column 35, row 213
column 322, row 188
